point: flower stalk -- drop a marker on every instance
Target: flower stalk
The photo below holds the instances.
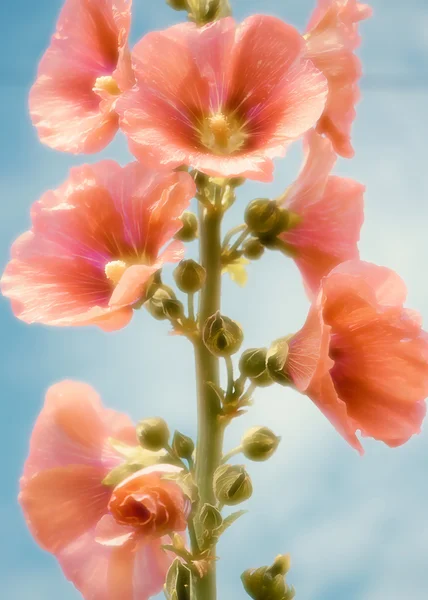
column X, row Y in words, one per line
column 209, row 447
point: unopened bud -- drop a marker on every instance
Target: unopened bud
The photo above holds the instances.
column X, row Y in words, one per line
column 276, row 360
column 164, row 305
column 281, row 565
column 189, row 276
column 189, row 231
column 259, row 444
column 253, row 249
column 222, row 336
column 232, row 484
column 253, row 366
column 178, row 4
column 264, row 216
column 153, row 434
column 178, row 584
column 182, row 445
column 260, row 584
column 210, row 517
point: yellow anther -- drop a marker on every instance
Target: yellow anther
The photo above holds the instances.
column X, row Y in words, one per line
column 114, row 270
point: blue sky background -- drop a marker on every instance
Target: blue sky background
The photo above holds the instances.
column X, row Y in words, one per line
column 356, row 527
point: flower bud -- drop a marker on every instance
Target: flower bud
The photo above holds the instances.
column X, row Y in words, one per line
column 264, row 216
column 153, row 434
column 163, row 304
column 189, row 231
column 253, row 366
column 178, row 4
column 210, row 517
column 178, row 584
column 281, row 565
column 189, row 276
column 276, row 360
column 182, row 445
column 232, row 484
column 259, row 444
column 222, row 336
column 260, row 584
column 253, row 249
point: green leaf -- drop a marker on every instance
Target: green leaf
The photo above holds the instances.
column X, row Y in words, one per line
column 118, row 474
column 230, row 520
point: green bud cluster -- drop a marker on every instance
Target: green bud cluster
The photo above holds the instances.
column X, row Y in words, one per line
column 163, row 304
column 268, row 583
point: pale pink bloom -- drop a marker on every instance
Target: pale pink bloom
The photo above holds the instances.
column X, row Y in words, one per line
column 72, row 514
column 363, row 358
column 332, row 37
column 223, row 98
column 328, row 212
column 81, row 75
column 94, row 244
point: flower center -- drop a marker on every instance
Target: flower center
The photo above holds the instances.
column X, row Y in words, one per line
column 106, row 84
column 114, row 270
column 223, row 134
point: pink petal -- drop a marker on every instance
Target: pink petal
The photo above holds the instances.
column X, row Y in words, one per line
column 324, row 395
column 62, row 503
column 108, row 532
column 63, row 106
column 308, row 357
column 72, row 429
column 221, row 71
column 131, row 286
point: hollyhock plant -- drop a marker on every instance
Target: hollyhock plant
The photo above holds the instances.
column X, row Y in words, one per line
column 332, row 37
column 328, row 213
column 361, row 357
column 107, row 541
column 94, row 244
column 81, row 76
column 235, row 99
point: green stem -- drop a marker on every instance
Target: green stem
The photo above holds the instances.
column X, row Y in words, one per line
column 210, row 430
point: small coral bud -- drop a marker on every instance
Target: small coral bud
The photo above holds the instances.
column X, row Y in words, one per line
column 253, row 366
column 232, row 484
column 259, row 444
column 253, row 249
column 281, row 565
column 276, row 360
column 189, row 231
column 182, row 445
column 210, row 517
column 222, row 336
column 153, row 434
column 265, row 217
column 178, row 4
column 189, row 276
column 164, row 305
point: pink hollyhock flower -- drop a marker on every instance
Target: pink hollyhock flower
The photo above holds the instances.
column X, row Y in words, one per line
column 223, row 98
column 328, row 214
column 82, row 74
column 361, row 357
column 108, row 542
column 94, row 244
column 332, row 37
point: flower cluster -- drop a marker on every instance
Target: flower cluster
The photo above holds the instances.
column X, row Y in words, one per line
column 204, row 105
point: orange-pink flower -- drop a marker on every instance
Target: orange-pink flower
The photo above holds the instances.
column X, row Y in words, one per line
column 328, row 211
column 361, row 357
column 94, row 244
column 82, row 74
column 332, row 37
column 223, row 98
column 108, row 542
